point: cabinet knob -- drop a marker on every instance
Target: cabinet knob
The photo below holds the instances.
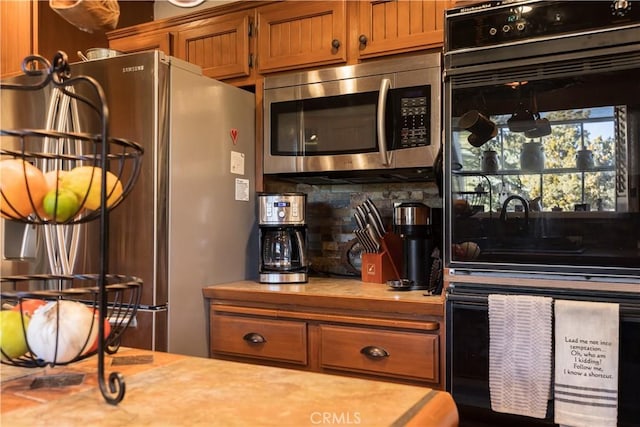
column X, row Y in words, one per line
column 335, row 43
column 254, row 338
column 363, row 41
column 374, row 352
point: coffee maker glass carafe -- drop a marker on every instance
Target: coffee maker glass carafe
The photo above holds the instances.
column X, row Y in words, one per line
column 281, row 249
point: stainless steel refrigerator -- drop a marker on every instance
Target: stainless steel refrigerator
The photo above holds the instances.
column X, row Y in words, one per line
column 190, row 220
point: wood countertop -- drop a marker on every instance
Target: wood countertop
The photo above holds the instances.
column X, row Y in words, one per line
column 331, row 293
column 177, row 390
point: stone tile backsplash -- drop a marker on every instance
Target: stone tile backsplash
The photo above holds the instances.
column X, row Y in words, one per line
column 330, row 215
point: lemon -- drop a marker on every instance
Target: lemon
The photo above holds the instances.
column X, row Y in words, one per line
column 12, row 338
column 61, row 204
column 85, row 181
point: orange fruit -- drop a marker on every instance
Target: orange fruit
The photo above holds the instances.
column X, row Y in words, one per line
column 54, row 178
column 29, row 306
column 23, row 188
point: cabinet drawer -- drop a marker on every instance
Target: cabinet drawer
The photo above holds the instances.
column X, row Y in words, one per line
column 261, row 338
column 381, row 352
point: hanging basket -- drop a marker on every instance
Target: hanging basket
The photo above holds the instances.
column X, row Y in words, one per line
column 45, row 181
column 89, row 16
column 56, row 317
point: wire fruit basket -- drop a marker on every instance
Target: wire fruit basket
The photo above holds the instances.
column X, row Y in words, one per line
column 51, row 177
column 56, row 180
column 58, row 316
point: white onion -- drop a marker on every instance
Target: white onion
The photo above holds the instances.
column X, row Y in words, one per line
column 75, row 325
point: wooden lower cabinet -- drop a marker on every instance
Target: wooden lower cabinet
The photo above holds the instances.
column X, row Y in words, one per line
column 386, row 352
column 269, row 339
column 346, row 344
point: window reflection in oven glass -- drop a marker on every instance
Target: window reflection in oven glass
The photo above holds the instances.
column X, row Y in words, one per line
column 578, row 159
column 561, row 161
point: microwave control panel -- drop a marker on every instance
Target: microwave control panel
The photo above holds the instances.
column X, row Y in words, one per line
column 414, row 117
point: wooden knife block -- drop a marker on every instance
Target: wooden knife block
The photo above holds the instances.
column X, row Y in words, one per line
column 379, row 267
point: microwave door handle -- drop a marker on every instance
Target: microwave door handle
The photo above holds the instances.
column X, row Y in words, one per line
column 382, row 112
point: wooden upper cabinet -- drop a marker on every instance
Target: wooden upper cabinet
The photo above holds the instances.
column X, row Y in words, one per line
column 387, row 27
column 228, row 41
column 15, row 41
column 301, row 34
column 32, row 27
column 139, row 43
column 220, row 45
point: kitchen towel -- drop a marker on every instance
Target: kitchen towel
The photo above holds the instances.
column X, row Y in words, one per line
column 520, row 354
column 586, row 363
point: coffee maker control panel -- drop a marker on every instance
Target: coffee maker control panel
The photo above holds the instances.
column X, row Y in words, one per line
column 282, row 209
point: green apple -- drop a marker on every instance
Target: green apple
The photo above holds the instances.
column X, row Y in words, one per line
column 61, row 204
column 12, row 336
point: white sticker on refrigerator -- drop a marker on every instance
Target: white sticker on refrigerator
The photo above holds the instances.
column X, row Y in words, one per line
column 237, row 163
column 242, row 189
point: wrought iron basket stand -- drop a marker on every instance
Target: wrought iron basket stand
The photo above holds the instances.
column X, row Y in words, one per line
column 111, row 168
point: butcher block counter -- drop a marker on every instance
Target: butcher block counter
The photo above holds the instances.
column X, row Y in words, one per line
column 165, row 389
column 331, row 325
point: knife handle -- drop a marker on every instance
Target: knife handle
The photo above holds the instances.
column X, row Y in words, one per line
column 376, row 214
column 375, row 226
column 360, row 220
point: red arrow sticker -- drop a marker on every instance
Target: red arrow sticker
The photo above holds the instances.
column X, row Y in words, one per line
column 234, row 136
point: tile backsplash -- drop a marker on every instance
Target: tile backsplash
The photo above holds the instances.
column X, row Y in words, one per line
column 330, row 218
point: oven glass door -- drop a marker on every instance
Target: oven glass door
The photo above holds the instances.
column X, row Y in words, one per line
column 468, row 353
column 544, row 165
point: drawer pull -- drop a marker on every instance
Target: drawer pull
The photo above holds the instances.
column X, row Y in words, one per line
column 254, row 338
column 374, row 352
column 335, row 44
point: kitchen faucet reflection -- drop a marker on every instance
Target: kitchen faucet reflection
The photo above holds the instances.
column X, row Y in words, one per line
column 525, row 204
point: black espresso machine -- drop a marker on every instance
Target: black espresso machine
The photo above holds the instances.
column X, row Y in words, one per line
column 283, row 238
column 412, row 221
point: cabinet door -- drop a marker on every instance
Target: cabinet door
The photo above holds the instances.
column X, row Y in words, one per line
column 220, row 45
column 388, row 27
column 311, row 33
column 139, row 43
column 15, row 39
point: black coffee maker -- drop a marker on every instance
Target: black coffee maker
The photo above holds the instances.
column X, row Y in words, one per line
column 412, row 221
column 283, row 238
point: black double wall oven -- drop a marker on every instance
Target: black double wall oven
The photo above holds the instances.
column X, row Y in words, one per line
column 542, row 174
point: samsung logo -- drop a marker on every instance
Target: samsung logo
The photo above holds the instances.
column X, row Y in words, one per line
column 133, row 69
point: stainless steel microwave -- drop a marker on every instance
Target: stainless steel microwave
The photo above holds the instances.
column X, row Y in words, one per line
column 381, row 115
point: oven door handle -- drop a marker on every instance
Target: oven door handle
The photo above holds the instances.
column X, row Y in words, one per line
column 482, row 299
column 628, row 312
column 382, row 131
